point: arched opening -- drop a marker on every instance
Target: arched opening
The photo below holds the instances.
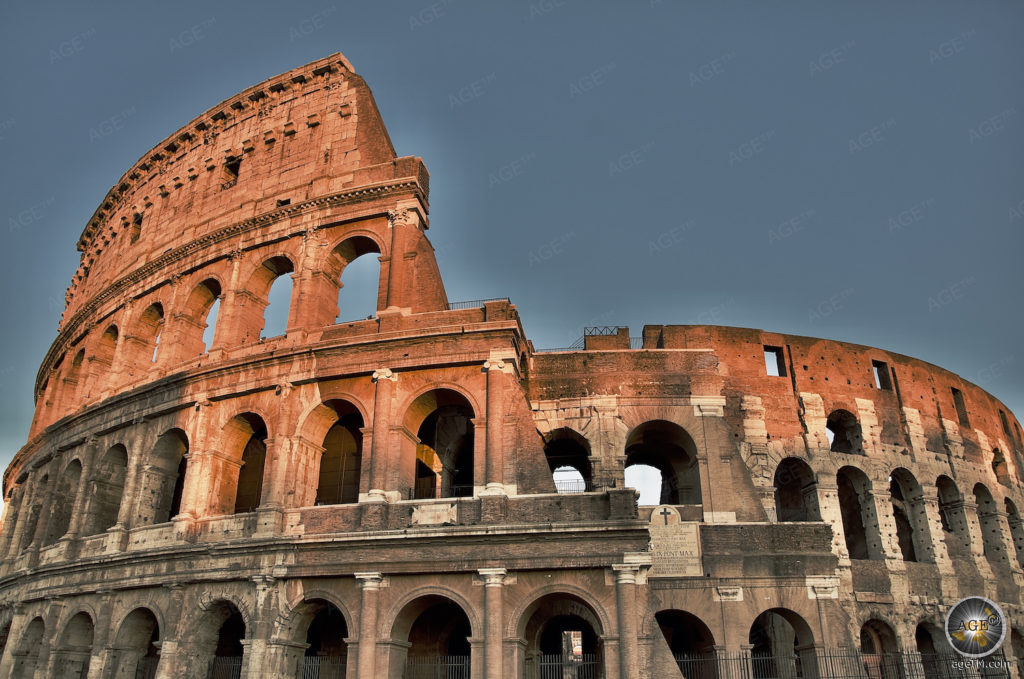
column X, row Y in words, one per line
column 911, row 517
column 5, row 634
column 246, row 442
column 359, row 273
column 199, row 318
column 217, row 646
column 954, row 520
column 74, row 649
column 69, row 389
column 34, row 511
column 102, row 361
column 278, row 295
column 326, row 654
column 931, row 644
column 561, row 637
column 880, row 650
column 1000, row 468
column 782, row 645
column 690, row 641
column 63, row 500
column 568, row 456
column 437, row 632
column 844, row 433
column 668, row 448
column 145, row 341
column 1016, row 529
column 137, row 646
column 796, row 492
column 991, row 530
column 340, row 464
column 26, row 655
column 165, row 482
column 107, row 490
column 646, row 481
column 443, row 422
column 854, row 491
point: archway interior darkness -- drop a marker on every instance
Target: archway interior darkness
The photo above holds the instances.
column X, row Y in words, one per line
column 74, row 648
column 444, row 455
column 250, row 475
column 1017, row 647
column 438, row 639
column 326, row 634
column 900, row 487
column 28, row 650
column 137, row 645
column 32, row 518
column 562, row 634
column 779, row 638
column 107, row 490
column 954, row 520
column 342, row 457
column 668, row 448
column 169, row 466
column 568, row 456
column 844, row 433
column 60, row 512
column 796, row 492
column 878, row 647
column 852, row 485
column 991, row 527
column 690, row 642
column 230, row 636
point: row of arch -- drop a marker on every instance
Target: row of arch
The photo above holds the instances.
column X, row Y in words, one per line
column 154, row 489
column 168, row 330
column 796, row 499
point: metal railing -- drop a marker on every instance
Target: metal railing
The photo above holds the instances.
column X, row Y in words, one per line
column 474, row 303
column 226, row 667
column 323, row 667
column 564, row 667
column 571, row 486
column 437, row 667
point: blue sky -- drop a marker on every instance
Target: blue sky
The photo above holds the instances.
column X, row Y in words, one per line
column 843, row 170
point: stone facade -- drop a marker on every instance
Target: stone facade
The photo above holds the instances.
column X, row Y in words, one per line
column 376, row 498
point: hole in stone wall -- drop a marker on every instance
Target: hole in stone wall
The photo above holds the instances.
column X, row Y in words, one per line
column 881, row 373
column 961, row 407
column 774, row 362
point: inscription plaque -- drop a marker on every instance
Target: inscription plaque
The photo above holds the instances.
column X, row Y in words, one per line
column 676, row 545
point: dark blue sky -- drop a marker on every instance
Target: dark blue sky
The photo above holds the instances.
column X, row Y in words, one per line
column 843, row 170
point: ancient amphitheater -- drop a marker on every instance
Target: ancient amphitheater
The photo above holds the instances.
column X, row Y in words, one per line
column 377, row 499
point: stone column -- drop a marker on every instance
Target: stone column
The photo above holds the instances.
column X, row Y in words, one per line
column 495, row 453
column 397, row 292
column 172, row 655
column 370, row 583
column 494, row 579
column 378, row 458
column 625, row 601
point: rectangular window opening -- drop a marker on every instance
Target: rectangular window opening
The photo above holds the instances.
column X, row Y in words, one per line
column 1006, row 425
column 881, row 371
column 284, row 201
column 774, row 361
column 136, row 227
column 961, row 407
column 231, row 169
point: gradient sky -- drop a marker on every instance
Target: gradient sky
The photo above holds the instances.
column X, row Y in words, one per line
column 842, row 170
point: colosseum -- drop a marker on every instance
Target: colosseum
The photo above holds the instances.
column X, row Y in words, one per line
column 424, row 494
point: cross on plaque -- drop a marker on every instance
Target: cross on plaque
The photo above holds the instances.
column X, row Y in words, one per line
column 666, row 512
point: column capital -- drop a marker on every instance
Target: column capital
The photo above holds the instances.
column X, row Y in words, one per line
column 493, row 577
column 625, row 573
column 369, row 581
column 384, row 374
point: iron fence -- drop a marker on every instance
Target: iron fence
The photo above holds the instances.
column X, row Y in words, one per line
column 470, row 304
column 570, row 486
column 323, row 667
column 585, row 666
column 226, row 667
column 437, row 667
